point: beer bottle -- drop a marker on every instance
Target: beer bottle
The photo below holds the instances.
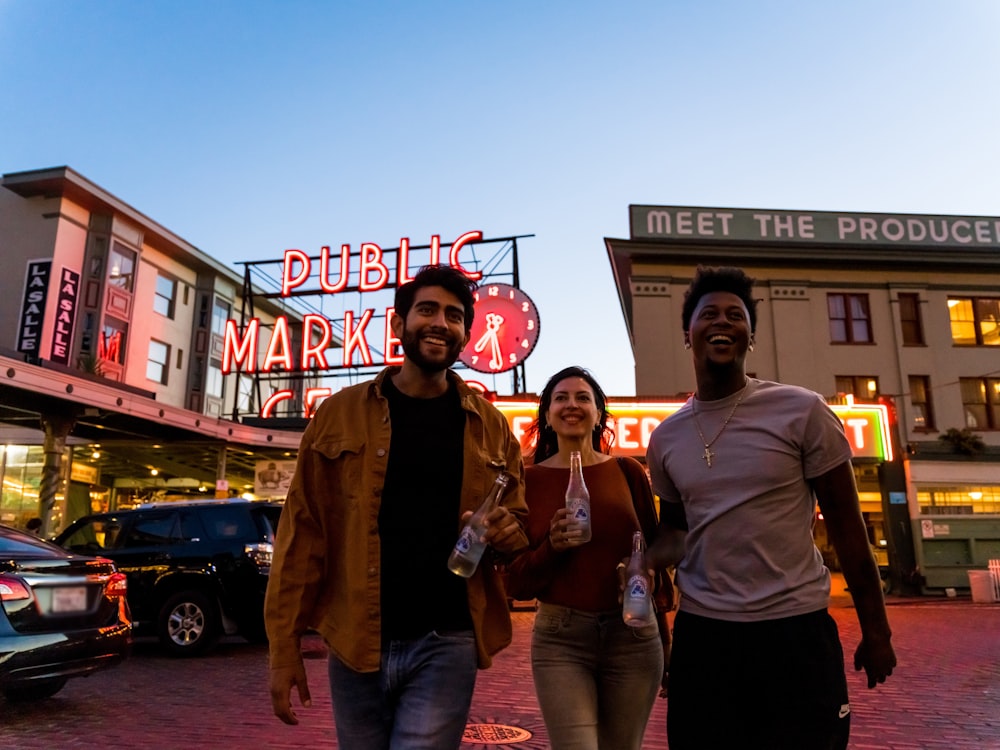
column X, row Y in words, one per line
column 577, row 502
column 470, row 545
column 637, row 600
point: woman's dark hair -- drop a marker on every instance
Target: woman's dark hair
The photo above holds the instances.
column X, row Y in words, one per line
column 723, row 279
column 447, row 277
column 546, row 440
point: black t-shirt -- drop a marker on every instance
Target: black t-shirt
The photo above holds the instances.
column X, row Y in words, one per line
column 419, row 516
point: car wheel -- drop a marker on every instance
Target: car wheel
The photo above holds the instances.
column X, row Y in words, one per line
column 36, row 691
column 188, row 623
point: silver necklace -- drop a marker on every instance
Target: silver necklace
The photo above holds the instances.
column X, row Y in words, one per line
column 708, row 455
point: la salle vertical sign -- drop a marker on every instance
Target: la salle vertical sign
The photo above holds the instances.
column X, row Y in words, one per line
column 62, row 337
column 36, row 289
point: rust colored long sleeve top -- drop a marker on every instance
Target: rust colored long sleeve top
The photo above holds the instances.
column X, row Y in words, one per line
column 583, row 577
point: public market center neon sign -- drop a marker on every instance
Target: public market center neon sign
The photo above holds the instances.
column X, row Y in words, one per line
column 241, row 347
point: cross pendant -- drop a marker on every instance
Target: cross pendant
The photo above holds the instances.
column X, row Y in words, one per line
column 708, row 455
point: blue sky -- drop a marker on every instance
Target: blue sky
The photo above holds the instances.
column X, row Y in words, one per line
column 250, row 127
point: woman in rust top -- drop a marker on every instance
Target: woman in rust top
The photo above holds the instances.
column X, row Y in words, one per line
column 596, row 678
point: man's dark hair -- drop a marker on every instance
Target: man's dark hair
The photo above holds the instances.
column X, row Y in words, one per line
column 723, row 279
column 446, row 277
column 546, row 441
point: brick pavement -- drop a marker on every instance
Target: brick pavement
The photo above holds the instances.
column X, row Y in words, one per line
column 944, row 694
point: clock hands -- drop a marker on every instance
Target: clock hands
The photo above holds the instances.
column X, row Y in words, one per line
column 489, row 337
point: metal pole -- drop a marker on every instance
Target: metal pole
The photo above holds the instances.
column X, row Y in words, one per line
column 220, row 474
column 57, row 427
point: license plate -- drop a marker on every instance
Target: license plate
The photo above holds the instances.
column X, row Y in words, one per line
column 69, row 599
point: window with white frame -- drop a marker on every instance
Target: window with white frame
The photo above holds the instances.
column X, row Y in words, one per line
column 165, row 296
column 158, row 361
column 244, row 395
column 220, row 314
column 215, row 381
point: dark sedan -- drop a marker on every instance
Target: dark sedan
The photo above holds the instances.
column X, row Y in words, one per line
column 63, row 615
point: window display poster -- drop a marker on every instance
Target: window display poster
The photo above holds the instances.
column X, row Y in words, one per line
column 273, row 478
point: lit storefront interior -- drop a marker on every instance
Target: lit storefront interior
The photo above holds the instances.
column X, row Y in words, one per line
column 123, row 449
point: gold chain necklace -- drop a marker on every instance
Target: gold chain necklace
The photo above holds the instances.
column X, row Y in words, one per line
column 707, row 456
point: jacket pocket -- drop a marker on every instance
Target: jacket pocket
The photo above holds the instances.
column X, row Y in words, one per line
column 334, row 448
column 339, row 471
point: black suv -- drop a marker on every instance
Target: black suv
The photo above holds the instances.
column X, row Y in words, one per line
column 195, row 569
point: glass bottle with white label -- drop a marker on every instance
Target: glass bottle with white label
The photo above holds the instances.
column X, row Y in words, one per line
column 470, row 545
column 637, row 600
column 577, row 502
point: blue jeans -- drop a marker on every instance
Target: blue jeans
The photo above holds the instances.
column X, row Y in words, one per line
column 418, row 700
column 596, row 678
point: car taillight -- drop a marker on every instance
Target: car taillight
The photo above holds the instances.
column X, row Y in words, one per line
column 13, row 589
column 116, row 585
column 261, row 554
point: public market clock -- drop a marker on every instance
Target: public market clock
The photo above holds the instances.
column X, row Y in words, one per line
column 504, row 330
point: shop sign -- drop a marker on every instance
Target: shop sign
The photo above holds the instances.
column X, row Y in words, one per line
column 632, row 422
column 741, row 225
column 36, row 288
column 84, row 473
column 62, row 337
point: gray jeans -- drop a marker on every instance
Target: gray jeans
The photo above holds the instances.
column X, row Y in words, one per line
column 596, row 678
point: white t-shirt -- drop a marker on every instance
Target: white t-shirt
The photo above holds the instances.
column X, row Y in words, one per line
column 749, row 554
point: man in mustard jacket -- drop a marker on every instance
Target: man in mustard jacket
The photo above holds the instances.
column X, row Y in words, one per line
column 387, row 471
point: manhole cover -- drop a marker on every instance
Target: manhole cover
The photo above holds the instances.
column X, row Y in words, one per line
column 494, row 734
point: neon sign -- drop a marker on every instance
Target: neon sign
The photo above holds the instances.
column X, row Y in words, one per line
column 373, row 273
column 866, row 425
column 242, row 344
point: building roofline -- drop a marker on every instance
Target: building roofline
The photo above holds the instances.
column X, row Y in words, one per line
column 66, row 182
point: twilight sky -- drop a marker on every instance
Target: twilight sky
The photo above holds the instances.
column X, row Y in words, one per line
column 250, row 127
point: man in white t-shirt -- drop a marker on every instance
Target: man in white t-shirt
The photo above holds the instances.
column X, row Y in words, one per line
column 757, row 660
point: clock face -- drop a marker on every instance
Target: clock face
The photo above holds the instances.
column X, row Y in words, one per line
column 504, row 331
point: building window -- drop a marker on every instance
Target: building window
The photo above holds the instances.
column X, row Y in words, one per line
column 909, row 319
column 860, row 386
column 975, row 321
column 981, row 401
column 920, row 398
column 121, row 267
column 165, row 296
column 958, row 500
column 850, row 322
column 244, row 394
column 220, row 314
column 112, row 340
column 214, row 380
column 156, row 364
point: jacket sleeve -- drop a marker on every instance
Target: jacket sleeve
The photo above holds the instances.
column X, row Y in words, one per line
column 297, row 568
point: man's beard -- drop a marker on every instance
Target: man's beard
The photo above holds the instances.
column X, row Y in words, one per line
column 411, row 348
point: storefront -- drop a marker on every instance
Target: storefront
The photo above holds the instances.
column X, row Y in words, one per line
column 902, row 309
column 106, row 446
